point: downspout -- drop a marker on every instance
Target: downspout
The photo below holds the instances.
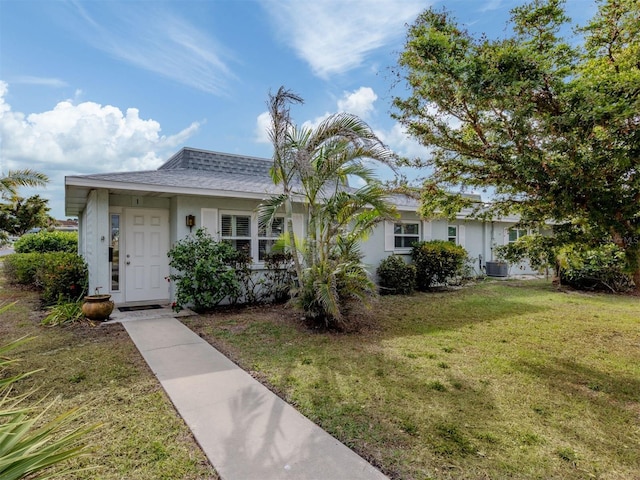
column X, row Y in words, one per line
column 483, row 255
column 492, row 241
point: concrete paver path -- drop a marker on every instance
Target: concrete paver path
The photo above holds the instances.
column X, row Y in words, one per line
column 246, row 431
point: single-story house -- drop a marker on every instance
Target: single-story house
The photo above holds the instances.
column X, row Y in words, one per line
column 129, row 220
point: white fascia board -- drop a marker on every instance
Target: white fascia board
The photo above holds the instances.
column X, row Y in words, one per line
column 166, row 189
column 141, row 187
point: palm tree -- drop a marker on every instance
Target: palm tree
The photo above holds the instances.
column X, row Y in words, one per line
column 283, row 171
column 10, row 182
column 313, row 166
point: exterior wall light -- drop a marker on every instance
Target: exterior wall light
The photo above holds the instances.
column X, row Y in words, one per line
column 191, row 221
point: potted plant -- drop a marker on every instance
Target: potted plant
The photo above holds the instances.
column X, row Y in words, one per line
column 98, row 306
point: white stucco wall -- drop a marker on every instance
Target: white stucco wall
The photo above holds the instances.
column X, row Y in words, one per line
column 94, row 230
column 477, row 237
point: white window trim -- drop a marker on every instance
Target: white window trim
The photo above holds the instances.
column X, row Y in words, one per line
column 390, row 235
column 528, row 231
column 449, row 237
column 253, row 229
column 271, row 237
column 460, row 234
column 254, row 224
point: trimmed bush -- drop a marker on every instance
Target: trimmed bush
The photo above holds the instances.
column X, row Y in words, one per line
column 206, row 276
column 597, row 268
column 44, row 242
column 395, row 276
column 61, row 276
column 437, row 262
column 21, row 268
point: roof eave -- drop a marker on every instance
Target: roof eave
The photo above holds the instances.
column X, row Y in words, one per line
column 87, row 184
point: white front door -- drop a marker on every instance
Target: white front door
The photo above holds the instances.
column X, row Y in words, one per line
column 146, row 264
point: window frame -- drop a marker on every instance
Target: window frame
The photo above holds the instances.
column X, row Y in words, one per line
column 404, row 235
column 455, row 239
column 234, row 214
column 518, row 232
column 115, row 269
column 256, row 233
column 271, row 239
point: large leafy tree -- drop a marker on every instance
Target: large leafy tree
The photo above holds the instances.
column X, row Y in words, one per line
column 551, row 127
column 313, row 165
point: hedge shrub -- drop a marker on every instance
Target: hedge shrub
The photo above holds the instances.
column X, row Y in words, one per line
column 44, row 242
column 395, row 276
column 596, row 268
column 61, row 276
column 205, row 274
column 437, row 262
column 21, row 267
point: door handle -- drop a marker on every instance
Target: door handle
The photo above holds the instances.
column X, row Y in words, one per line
column 128, row 262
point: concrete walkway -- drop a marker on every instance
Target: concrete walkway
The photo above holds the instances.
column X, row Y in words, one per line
column 246, row 431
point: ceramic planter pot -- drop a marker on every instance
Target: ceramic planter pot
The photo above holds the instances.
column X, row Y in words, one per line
column 97, row 307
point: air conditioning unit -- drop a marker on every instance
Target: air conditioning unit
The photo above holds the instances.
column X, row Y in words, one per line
column 497, row 269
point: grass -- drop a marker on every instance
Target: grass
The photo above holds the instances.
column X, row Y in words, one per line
column 99, row 369
column 499, row 380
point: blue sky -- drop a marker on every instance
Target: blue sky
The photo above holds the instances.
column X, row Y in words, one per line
column 104, row 86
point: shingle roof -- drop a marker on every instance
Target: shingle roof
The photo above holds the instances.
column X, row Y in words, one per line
column 193, row 179
column 203, row 160
column 199, row 169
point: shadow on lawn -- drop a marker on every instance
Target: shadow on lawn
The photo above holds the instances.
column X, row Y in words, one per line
column 610, row 389
column 389, row 411
column 609, row 402
column 429, row 312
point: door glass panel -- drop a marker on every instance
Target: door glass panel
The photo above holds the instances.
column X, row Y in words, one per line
column 115, row 252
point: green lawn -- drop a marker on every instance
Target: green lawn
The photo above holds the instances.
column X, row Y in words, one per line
column 498, row 380
column 99, row 368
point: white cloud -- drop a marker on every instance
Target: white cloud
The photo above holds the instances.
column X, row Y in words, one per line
column 263, row 123
column 160, row 41
column 359, row 102
column 491, row 5
column 398, row 140
column 82, row 138
column 335, row 36
column 47, row 82
column 315, row 123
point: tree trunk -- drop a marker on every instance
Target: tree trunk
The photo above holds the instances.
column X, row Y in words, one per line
column 632, row 254
column 636, row 272
column 292, row 242
column 632, row 257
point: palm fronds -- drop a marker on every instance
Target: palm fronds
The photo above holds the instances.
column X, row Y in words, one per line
column 29, row 443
